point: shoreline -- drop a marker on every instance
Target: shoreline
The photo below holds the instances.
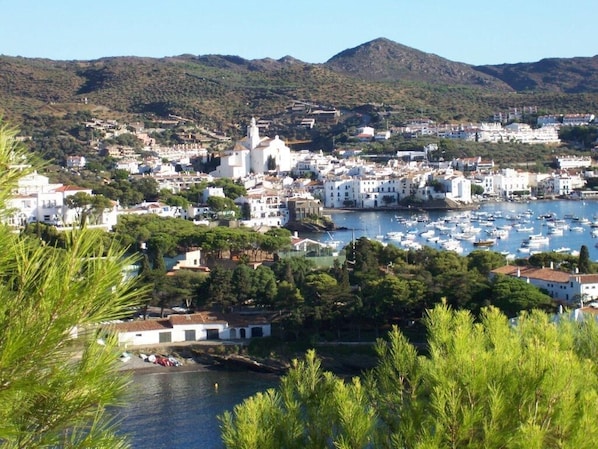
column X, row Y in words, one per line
column 196, row 357
column 136, row 365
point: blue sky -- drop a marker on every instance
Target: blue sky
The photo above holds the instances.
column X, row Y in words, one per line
column 473, row 32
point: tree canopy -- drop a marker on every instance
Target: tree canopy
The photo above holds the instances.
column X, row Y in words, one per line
column 480, row 384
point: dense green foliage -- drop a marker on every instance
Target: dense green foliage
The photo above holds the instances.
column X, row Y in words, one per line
column 55, row 390
column 376, row 287
column 481, row 384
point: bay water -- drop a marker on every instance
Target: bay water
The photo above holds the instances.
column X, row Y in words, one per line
column 178, row 410
column 377, row 224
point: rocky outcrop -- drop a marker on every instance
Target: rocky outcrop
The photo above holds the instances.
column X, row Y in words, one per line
column 304, row 226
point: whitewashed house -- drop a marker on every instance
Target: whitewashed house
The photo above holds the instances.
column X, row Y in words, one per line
column 567, row 162
column 577, row 119
column 266, row 207
column 36, row 200
column 76, row 161
column 365, row 133
column 508, row 181
column 189, row 260
column 455, row 186
column 570, row 288
column 157, row 208
column 190, row 327
column 212, row 192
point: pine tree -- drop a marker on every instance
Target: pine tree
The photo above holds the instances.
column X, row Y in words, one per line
column 584, row 264
column 482, row 384
column 49, row 397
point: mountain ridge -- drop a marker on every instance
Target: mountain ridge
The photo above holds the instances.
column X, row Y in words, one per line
column 570, row 75
column 223, row 90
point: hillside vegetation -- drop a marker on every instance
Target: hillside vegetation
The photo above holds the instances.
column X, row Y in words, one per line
column 221, row 91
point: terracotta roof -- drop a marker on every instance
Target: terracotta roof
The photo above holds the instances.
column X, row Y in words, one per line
column 70, row 189
column 143, row 325
column 588, row 278
column 233, row 319
column 544, row 274
column 195, row 318
column 589, row 310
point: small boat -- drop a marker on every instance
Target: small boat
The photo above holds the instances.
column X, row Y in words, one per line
column 470, row 236
column 562, row 249
column 395, row 235
column 498, row 233
column 452, row 245
column 538, row 239
column 488, row 242
column 524, row 228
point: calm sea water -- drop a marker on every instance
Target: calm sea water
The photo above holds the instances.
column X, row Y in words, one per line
column 178, row 410
column 377, row 224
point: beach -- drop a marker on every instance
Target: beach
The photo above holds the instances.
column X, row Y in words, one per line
column 139, row 366
column 188, row 359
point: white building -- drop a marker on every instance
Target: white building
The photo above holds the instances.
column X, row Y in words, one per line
column 179, row 182
column 212, row 191
column 577, row 119
column 266, row 207
column 156, row 208
column 36, row 200
column 515, row 132
column 455, row 186
column 523, row 133
column 365, row 133
column 508, row 181
column 35, row 183
column 567, row 162
column 382, row 135
column 564, row 287
column 306, row 162
column 254, row 154
column 190, row 327
column 559, row 184
column 548, row 120
column 75, row 161
column 129, row 165
column 189, row 260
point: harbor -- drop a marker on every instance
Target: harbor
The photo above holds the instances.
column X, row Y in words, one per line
column 515, row 229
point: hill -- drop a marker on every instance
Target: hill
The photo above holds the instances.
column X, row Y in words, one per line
column 572, row 75
column 385, row 60
column 222, row 91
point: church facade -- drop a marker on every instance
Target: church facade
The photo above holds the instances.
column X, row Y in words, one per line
column 254, row 154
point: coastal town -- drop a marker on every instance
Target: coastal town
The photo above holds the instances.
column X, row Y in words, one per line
column 232, row 225
column 285, row 186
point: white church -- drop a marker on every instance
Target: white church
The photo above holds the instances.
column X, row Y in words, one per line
column 254, row 154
